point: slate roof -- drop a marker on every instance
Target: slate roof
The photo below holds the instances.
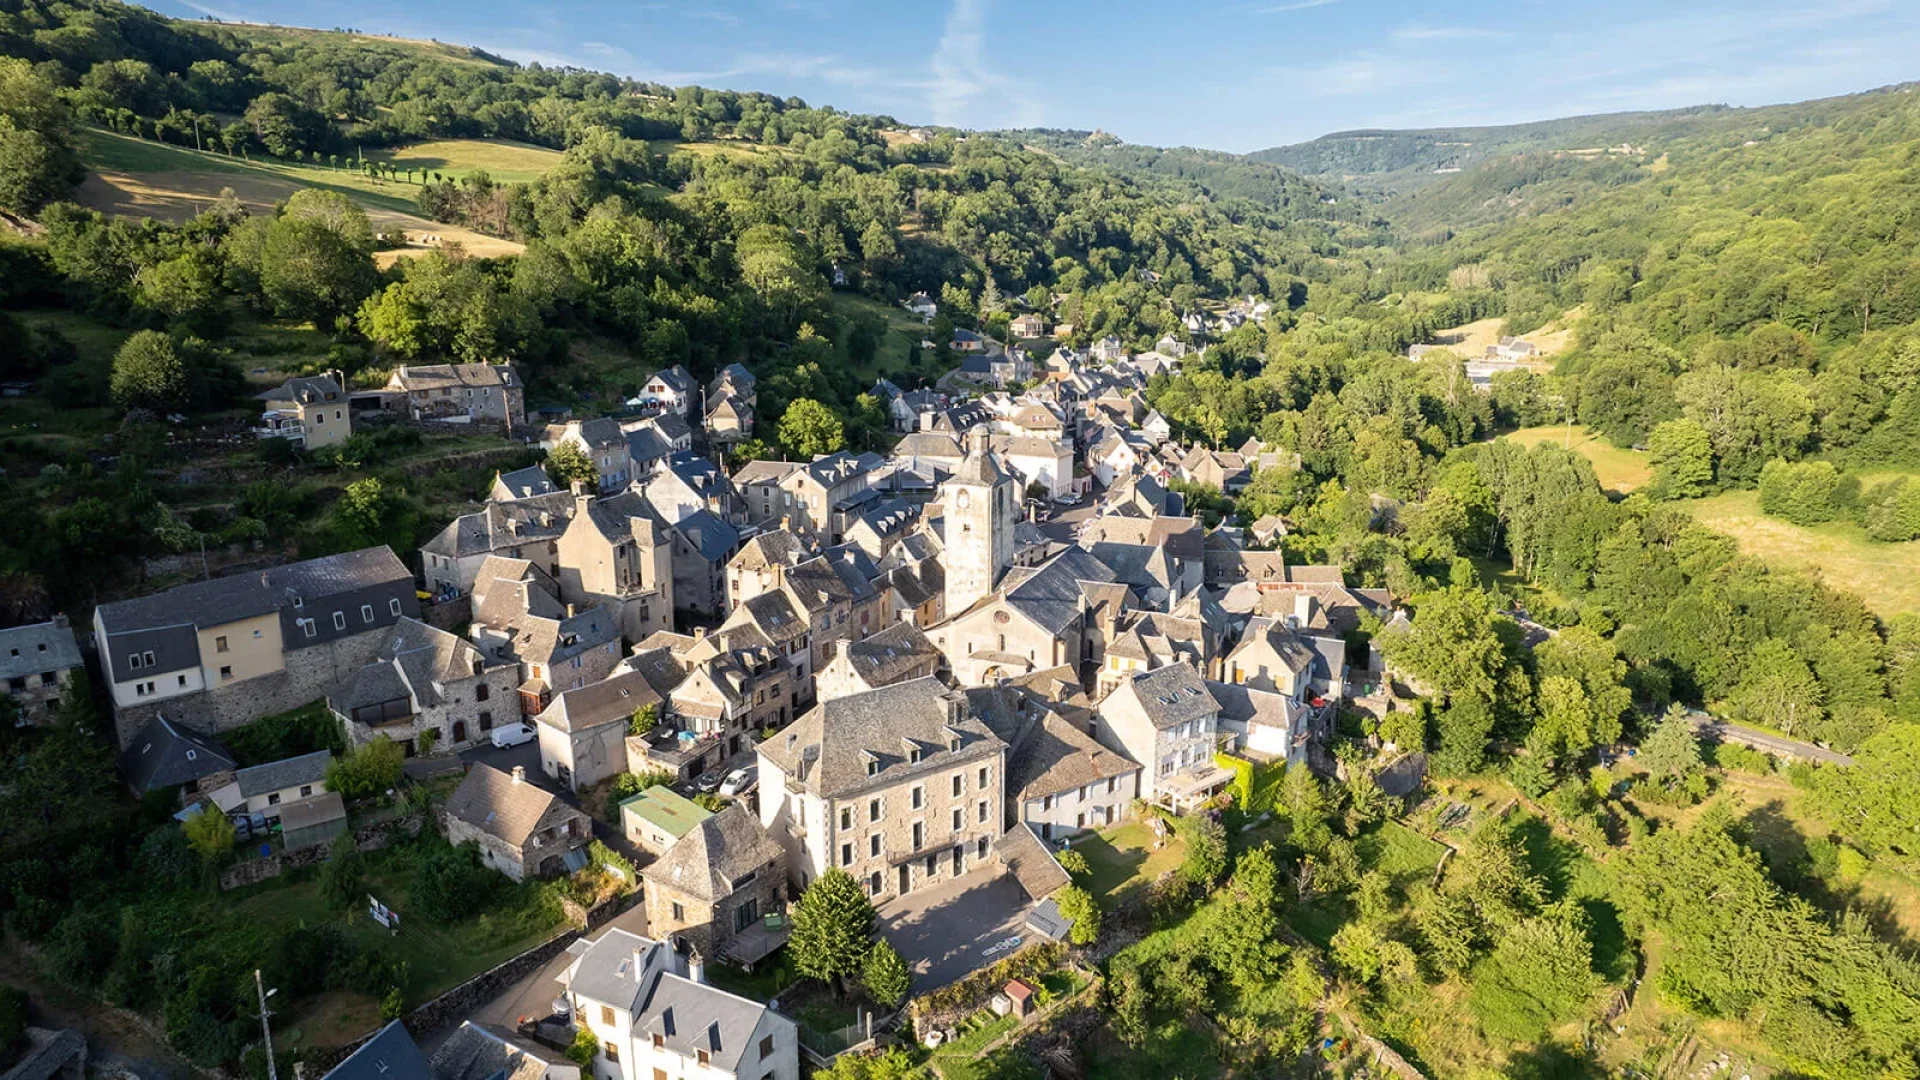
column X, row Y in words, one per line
column 611, row 700
column 932, row 444
column 828, row 749
column 1244, row 705
column 676, row 378
column 1172, row 695
column 891, row 653
column 1056, row 756
column 646, row 444
column 712, row 537
column 765, row 472
column 283, row 774
column 449, row 376
column 527, row 482
column 38, row 647
column 501, row 525
column 1052, row 596
column 1034, row 867
column 662, row 669
column 475, row 1052
column 689, row 1016
column 164, row 754
column 414, row 661
column 390, row 1055
column 715, row 853
column 222, row 600
column 304, row 390
column 489, row 800
column 763, row 551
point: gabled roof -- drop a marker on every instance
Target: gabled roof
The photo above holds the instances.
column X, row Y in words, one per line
column 717, row 852
column 238, row 596
column 687, row 1015
column 305, row 390
column 450, row 376
column 1040, row 875
column 764, row 551
column 164, row 755
column 1056, row 756
column 891, row 653
column 665, row 809
column 474, row 1052
column 847, row 744
column 493, row 802
column 38, row 647
column 765, row 472
column 522, row 483
column 612, row 700
column 283, row 774
column 1052, row 596
column 709, row 535
column 676, row 379
column 1171, row 695
column 390, row 1055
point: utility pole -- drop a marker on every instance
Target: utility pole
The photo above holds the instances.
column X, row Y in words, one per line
column 266, row 1030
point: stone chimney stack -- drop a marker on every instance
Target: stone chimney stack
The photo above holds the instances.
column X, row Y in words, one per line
column 1303, row 610
column 696, row 967
column 978, row 439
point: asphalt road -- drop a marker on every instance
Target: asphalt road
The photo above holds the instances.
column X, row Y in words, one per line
column 1765, row 740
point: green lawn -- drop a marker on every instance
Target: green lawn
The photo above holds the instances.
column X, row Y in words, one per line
column 1885, row 576
column 105, row 151
column 1123, row 860
column 438, row 957
column 1618, row 470
column 904, row 331
column 502, row 160
column 1400, row 853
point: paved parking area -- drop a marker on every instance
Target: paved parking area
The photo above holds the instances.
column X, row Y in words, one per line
column 947, row 932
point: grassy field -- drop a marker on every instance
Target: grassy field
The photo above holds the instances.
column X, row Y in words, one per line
column 505, row 162
column 1470, row 340
column 438, row 957
column 1123, row 861
column 904, row 331
column 1618, row 470
column 135, row 178
column 1885, row 576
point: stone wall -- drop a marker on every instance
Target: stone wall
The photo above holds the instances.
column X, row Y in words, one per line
column 308, row 675
column 453, row 616
column 371, row 837
column 455, row 1005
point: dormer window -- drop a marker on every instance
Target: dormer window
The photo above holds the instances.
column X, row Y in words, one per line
column 873, row 764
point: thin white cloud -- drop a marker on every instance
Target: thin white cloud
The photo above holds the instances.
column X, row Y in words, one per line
column 967, row 91
column 1447, row 33
column 1280, row 9
column 218, row 13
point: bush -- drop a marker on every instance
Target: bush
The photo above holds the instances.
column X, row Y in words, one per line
column 450, row 883
column 13, row 1021
column 367, row 770
column 276, row 738
column 1804, row 493
column 585, row 1045
column 626, row 785
column 1733, row 756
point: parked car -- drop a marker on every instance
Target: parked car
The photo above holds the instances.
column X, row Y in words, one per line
column 242, row 827
column 512, row 735
column 740, row 781
column 709, row 782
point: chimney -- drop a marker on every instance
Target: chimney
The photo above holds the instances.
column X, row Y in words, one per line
column 637, row 968
column 977, row 439
column 1303, row 608
column 696, row 967
column 572, row 610
column 578, row 487
column 699, row 633
column 519, row 774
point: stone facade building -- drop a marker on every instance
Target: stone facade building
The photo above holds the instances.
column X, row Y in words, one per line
column 39, row 661
column 423, row 679
column 902, row 787
column 714, row 887
column 522, row 830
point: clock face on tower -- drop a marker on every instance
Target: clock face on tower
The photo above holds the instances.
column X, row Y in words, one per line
column 960, row 501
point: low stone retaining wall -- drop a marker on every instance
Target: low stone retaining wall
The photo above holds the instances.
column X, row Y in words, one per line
column 455, row 1005
column 371, row 837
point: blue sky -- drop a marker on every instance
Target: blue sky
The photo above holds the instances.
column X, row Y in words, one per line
column 1229, row 74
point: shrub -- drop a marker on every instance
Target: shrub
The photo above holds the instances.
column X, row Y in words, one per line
column 210, row 834
column 626, row 785
column 1077, row 904
column 367, row 770
column 585, row 1045
column 1074, row 863
column 450, row 883
column 1804, row 493
column 885, row 974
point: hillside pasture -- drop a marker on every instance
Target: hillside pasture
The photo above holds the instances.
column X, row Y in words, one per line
column 1469, row 341
column 1618, row 470
column 137, row 179
column 1885, row 576
column 505, row 162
